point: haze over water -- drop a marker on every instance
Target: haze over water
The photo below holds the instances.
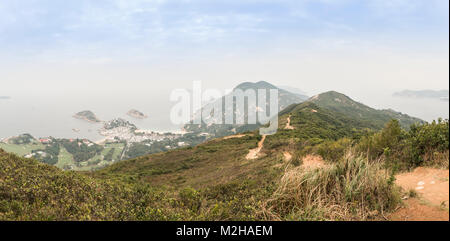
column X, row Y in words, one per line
column 43, row 116
column 48, row 115
column 61, row 57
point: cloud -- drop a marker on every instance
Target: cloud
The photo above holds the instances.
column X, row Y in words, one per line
column 102, row 27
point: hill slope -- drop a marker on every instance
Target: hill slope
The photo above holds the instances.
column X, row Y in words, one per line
column 223, row 159
column 214, row 180
column 285, row 98
column 30, row 190
column 376, row 118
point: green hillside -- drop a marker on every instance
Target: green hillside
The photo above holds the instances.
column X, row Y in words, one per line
column 285, row 98
column 30, row 190
column 224, row 159
column 217, row 180
column 375, row 118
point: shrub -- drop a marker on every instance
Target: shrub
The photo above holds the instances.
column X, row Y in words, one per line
column 374, row 145
column 333, row 150
column 429, row 143
column 34, row 191
column 191, row 199
column 423, row 145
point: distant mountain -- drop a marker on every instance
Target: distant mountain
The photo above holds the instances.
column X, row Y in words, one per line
column 285, row 98
column 5, row 97
column 435, row 94
column 294, row 90
column 375, row 118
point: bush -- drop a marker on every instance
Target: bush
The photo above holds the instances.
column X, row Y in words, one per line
column 191, row 199
column 423, row 145
column 374, row 145
column 429, row 143
column 333, row 150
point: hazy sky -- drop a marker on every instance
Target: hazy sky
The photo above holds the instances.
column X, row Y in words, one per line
column 101, row 46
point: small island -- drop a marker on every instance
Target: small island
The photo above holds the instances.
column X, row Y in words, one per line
column 87, row 115
column 136, row 114
column 5, row 97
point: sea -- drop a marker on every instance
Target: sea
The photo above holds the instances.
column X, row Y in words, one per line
column 44, row 115
column 52, row 114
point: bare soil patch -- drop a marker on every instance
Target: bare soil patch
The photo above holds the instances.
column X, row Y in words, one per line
column 288, row 124
column 253, row 153
column 233, row 136
column 287, row 156
column 432, row 185
column 313, row 161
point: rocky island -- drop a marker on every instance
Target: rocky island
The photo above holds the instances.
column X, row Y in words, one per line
column 136, row 114
column 87, row 115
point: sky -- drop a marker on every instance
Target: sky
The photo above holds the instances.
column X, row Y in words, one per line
column 128, row 46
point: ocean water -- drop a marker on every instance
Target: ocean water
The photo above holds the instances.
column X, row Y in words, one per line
column 52, row 115
column 44, row 115
column 427, row 109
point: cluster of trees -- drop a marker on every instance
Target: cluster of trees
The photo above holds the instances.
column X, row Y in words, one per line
column 424, row 144
column 146, row 147
column 51, row 153
column 81, row 151
column 149, row 147
column 22, row 139
column 109, row 155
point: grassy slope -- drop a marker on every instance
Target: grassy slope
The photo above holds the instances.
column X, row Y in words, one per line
column 21, row 150
column 30, row 190
column 219, row 170
column 217, row 161
column 313, row 121
column 223, row 160
column 343, row 104
column 64, row 157
column 228, row 187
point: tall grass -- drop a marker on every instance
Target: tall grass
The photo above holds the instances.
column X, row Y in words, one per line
column 437, row 159
column 352, row 189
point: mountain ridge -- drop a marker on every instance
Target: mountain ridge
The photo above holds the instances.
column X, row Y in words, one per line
column 285, row 98
column 344, row 104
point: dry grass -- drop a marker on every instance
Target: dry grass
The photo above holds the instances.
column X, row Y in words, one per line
column 437, row 159
column 352, row 189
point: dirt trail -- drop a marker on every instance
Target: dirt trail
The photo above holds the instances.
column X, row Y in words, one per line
column 313, row 161
column 432, row 185
column 287, row 156
column 288, row 124
column 253, row 153
column 233, row 136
